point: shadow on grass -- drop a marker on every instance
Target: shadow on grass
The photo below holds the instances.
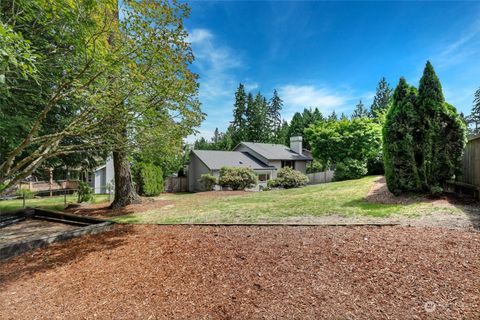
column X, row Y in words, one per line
column 59, row 254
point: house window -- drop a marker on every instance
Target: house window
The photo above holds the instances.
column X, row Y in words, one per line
column 263, row 177
column 288, row 163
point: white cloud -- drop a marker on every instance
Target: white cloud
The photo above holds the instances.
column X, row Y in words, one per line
column 215, row 63
column 199, row 35
column 463, row 47
column 297, row 97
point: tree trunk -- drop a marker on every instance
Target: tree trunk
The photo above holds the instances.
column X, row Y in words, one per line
column 125, row 193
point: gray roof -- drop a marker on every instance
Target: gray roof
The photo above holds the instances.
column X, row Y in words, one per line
column 275, row 151
column 215, row 160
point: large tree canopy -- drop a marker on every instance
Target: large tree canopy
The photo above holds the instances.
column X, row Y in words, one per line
column 104, row 83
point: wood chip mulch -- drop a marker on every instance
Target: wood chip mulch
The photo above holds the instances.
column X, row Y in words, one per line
column 192, row 272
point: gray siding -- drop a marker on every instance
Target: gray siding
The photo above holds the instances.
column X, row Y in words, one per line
column 195, row 169
column 301, row 166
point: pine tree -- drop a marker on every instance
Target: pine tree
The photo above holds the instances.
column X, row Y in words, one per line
column 317, row 116
column 274, row 117
column 296, row 125
column 239, row 131
column 332, row 116
column 216, row 136
column 343, row 116
column 382, row 99
column 360, row 111
column 283, row 134
column 257, row 118
column 474, row 117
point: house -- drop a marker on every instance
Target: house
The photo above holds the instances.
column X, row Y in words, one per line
column 264, row 158
column 102, row 177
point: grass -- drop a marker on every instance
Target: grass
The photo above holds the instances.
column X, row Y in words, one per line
column 338, row 198
column 52, row 203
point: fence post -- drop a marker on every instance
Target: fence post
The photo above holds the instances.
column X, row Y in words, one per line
column 65, row 197
column 24, row 201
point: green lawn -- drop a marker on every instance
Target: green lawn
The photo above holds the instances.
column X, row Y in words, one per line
column 53, row 203
column 340, row 198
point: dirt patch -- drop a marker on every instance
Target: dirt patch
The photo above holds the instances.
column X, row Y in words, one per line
column 179, row 272
column 379, row 193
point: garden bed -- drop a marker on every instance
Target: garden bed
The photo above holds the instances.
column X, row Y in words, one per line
column 29, row 229
column 180, row 272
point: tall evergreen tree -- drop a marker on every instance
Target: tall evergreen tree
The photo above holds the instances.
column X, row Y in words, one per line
column 400, row 164
column 257, row 118
column 474, row 117
column 382, row 99
column 282, row 135
column 239, row 124
column 332, row 116
column 343, row 116
column 435, row 132
column 296, row 125
column 360, row 111
column 274, row 117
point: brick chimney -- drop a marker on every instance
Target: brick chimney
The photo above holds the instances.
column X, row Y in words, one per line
column 296, row 144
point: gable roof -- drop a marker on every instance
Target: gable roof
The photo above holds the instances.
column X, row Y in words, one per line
column 272, row 151
column 215, row 160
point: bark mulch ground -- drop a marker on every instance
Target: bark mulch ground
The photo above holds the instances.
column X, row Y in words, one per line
column 192, row 272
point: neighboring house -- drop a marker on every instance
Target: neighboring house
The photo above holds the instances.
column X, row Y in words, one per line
column 264, row 158
column 102, row 177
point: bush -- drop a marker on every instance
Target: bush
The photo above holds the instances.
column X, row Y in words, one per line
column 315, row 166
column 25, row 193
column 208, row 180
column 288, row 178
column 237, row 178
column 84, row 192
column 148, row 179
column 375, row 165
column 350, row 169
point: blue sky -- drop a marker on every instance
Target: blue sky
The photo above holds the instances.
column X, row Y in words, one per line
column 329, row 54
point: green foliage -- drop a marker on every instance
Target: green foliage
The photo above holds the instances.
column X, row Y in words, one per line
column 237, row 178
column 382, row 99
column 349, row 169
column 360, row 111
column 424, row 137
column 315, row 166
column 288, row 178
column 148, row 179
column 334, row 141
column 25, row 193
column 208, row 180
column 239, row 124
column 85, row 192
column 399, row 138
column 300, row 122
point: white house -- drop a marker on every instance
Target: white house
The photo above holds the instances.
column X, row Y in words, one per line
column 102, row 177
column 264, row 158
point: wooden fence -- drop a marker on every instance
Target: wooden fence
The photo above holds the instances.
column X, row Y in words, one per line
column 471, row 162
column 320, row 177
column 176, row 184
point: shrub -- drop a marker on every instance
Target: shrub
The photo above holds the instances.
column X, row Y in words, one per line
column 423, row 138
column 84, row 192
column 25, row 193
column 208, row 180
column 315, row 166
column 288, row 178
column 237, row 178
column 350, row 169
column 148, row 179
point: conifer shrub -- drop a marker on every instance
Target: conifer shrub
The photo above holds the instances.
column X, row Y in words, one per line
column 423, row 138
column 148, row 179
column 85, row 192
